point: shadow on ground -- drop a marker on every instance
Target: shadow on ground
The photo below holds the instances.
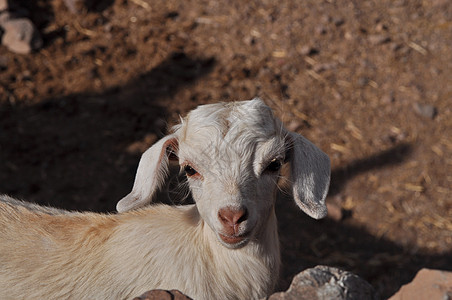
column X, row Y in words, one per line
column 70, row 152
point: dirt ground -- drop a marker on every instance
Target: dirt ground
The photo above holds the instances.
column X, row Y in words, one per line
column 369, row 82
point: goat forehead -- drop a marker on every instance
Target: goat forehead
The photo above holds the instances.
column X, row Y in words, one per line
column 218, row 155
column 228, row 125
column 238, row 146
column 230, row 119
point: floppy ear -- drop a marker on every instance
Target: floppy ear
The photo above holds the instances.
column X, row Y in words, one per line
column 151, row 174
column 310, row 175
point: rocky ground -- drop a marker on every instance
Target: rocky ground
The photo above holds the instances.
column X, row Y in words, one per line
column 369, row 82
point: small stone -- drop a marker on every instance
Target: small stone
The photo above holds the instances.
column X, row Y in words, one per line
column 24, row 76
column 294, row 125
column 75, row 6
column 425, row 110
column 21, row 36
column 3, row 62
column 5, row 17
column 334, row 212
column 439, row 3
column 3, row 5
column 324, row 282
column 162, row 295
column 249, row 40
column 325, row 19
column 320, row 29
column 324, row 67
column 377, row 39
column 308, row 50
column 348, row 35
column 362, row 81
column 388, row 98
column 381, row 27
column 427, row 284
column 338, row 21
column 395, row 46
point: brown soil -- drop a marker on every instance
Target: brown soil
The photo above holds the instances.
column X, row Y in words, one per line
column 352, row 76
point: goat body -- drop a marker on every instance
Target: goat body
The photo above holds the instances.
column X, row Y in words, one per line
column 225, row 246
column 95, row 256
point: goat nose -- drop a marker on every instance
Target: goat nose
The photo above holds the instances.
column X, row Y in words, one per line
column 232, row 216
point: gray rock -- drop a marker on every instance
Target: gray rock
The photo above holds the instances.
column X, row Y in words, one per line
column 324, row 282
column 425, row 110
column 20, row 35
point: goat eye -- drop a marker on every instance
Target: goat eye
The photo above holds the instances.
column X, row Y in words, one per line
column 273, row 166
column 190, row 171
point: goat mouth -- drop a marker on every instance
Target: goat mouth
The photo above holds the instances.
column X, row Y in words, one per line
column 233, row 240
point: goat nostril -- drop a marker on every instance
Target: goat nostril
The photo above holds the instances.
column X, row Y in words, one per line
column 243, row 217
column 231, row 216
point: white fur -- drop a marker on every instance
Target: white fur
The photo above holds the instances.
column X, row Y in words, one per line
column 54, row 254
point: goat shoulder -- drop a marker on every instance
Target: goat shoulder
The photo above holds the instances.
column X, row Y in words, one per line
column 96, row 256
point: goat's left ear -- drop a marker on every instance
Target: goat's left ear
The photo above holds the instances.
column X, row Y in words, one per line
column 310, row 175
column 151, row 173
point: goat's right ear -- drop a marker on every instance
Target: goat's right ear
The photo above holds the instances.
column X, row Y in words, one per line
column 151, row 174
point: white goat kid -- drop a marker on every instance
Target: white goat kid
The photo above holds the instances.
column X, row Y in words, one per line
column 223, row 247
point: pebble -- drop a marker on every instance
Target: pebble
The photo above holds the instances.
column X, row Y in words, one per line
column 334, row 211
column 338, row 21
column 308, row 50
column 3, row 5
column 381, row 27
column 3, row 62
column 324, row 67
column 21, row 36
column 320, row 29
column 377, row 39
column 163, row 295
column 395, row 46
column 78, row 6
column 294, row 125
column 4, row 17
column 75, row 6
column 425, row 110
column 388, row 98
column 362, row 81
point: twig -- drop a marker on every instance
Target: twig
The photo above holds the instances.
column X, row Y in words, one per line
column 82, row 30
column 143, row 4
